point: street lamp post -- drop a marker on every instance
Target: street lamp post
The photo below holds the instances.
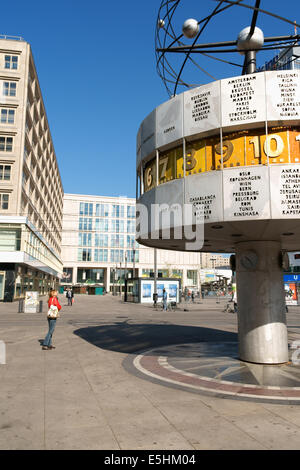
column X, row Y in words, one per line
column 199, row 283
column 126, row 278
column 155, row 277
column 133, row 265
column 114, row 276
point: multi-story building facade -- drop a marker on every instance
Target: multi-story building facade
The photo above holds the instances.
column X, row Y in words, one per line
column 215, row 261
column 31, row 192
column 287, row 59
column 99, row 247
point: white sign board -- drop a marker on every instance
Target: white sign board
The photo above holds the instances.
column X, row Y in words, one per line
column 171, row 286
column 148, row 137
column 285, row 191
column 204, row 192
column 31, row 302
column 243, row 100
column 283, row 95
column 169, row 121
column 202, row 109
column 246, row 193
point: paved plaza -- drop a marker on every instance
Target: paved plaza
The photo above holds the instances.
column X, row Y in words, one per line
column 128, row 377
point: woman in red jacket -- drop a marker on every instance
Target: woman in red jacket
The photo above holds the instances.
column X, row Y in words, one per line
column 47, row 344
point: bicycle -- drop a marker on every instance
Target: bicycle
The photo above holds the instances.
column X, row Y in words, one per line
column 230, row 308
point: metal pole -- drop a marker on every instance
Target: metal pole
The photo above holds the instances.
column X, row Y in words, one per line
column 133, row 265
column 155, row 274
column 200, row 287
column 250, row 62
column 125, row 292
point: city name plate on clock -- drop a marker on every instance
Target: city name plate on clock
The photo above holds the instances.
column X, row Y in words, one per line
column 246, row 193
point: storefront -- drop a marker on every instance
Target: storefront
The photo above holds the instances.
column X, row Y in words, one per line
column 16, row 279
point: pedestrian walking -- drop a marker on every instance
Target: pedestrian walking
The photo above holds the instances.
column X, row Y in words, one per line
column 53, row 314
column 165, row 299
column 234, row 298
column 70, row 296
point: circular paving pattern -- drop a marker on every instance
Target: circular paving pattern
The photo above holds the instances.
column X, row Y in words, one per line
column 214, row 368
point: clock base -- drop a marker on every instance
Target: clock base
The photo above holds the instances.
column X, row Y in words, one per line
column 262, row 327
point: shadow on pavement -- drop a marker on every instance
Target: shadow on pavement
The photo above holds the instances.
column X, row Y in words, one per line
column 132, row 338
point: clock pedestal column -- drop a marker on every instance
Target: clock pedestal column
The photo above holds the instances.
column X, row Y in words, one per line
column 261, row 303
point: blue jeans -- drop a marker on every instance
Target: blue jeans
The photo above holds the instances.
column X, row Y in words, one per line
column 48, row 338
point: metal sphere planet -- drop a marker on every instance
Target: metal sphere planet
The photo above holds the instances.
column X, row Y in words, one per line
column 190, row 28
column 245, row 42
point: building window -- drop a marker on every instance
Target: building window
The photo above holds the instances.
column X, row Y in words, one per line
column 84, row 254
column 132, row 256
column 131, row 243
column 101, row 255
column 102, row 210
column 86, row 208
column 101, row 225
column 117, row 211
column 130, row 212
column 85, row 223
column 5, row 172
column 7, row 116
column 9, row 88
column 67, row 275
column 192, row 276
column 116, row 256
column 11, row 62
column 4, row 200
column 178, row 273
column 117, row 241
column 101, row 239
column 117, row 226
column 86, row 275
column 85, row 239
column 6, row 144
column 130, row 226
column 10, row 240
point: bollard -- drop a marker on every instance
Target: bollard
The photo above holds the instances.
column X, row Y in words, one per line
column 41, row 307
column 2, row 353
column 21, row 306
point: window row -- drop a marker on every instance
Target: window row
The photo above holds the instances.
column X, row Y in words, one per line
column 105, row 255
column 106, row 210
column 100, row 239
column 105, row 225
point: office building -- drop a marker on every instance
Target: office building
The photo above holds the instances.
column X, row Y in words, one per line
column 31, row 192
column 287, row 59
column 99, row 247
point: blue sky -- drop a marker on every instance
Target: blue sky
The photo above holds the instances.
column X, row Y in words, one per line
column 96, row 66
